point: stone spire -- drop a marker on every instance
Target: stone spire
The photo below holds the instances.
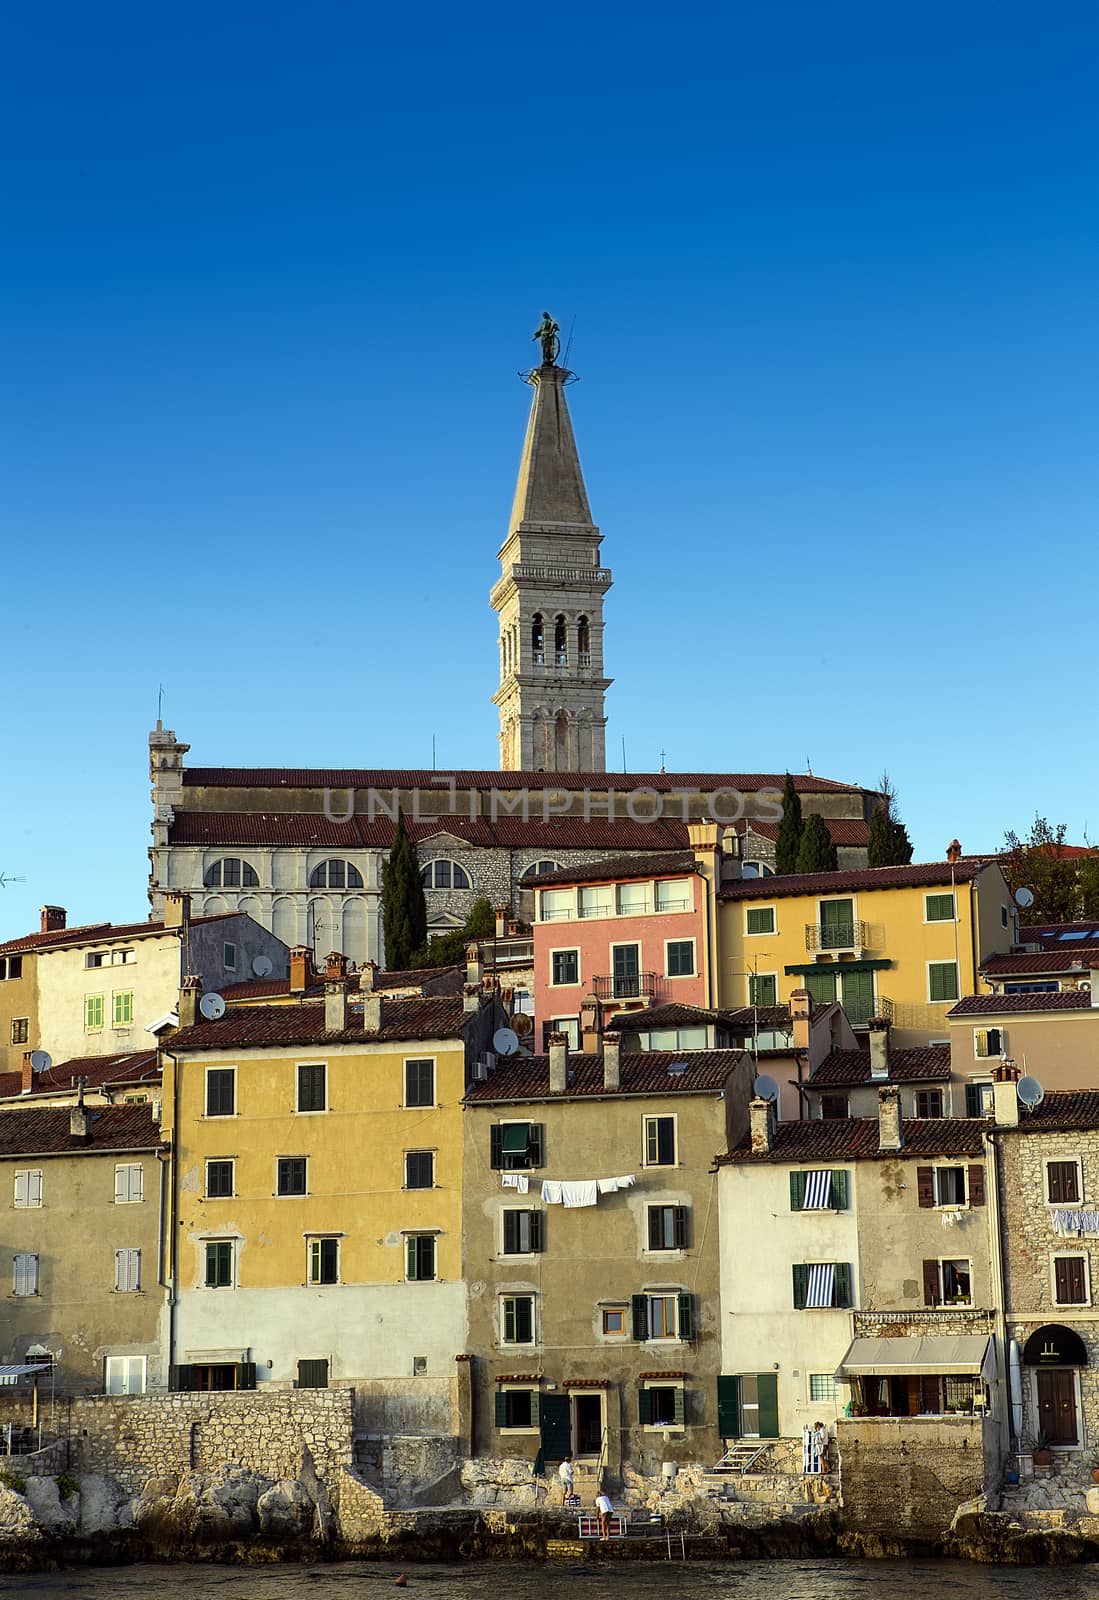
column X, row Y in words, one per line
column 549, row 597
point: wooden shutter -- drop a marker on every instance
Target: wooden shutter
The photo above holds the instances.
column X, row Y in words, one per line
column 181, row 1380
column 656, row 1227
column 313, row 1374
column 511, row 1237
column 801, row 1285
column 500, row 1404
column 644, row 1407
column 976, row 1185
column 640, row 1306
column 686, row 1312
column 981, row 1041
column 535, row 1142
column 925, row 1187
column 25, row 1276
column 728, row 1406
column 839, row 1191
column 841, row 1287
column 680, row 1226
column 767, row 1390
column 496, row 1150
column 797, row 1190
column 680, row 1416
column 246, row 1374
column 931, row 1283
column 22, row 1188
column 537, row 1226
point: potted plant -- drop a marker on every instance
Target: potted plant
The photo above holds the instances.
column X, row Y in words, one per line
column 1043, row 1454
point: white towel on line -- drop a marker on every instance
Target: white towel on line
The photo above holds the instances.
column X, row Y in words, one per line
column 551, row 1191
column 584, row 1192
column 515, row 1180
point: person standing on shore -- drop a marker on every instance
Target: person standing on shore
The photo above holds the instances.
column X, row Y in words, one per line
column 564, row 1472
column 605, row 1507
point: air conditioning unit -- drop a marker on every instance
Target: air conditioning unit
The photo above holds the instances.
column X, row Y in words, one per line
column 483, row 1066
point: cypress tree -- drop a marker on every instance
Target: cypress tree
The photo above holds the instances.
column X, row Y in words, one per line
column 816, row 852
column 889, row 844
column 404, row 909
column 790, row 829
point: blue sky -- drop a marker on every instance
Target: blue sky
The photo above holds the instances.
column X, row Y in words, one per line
column 269, row 273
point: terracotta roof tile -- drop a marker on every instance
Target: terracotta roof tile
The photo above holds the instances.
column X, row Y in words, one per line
column 93, row 932
column 241, row 1026
column 46, row 1131
column 866, row 878
column 1050, row 935
column 264, row 989
column 1076, row 960
column 624, row 867
column 384, row 778
column 856, row 1139
column 137, row 1066
column 642, row 1072
column 677, row 1015
column 850, row 831
column 254, row 829
column 995, row 1005
column 923, row 1064
column 1061, row 1108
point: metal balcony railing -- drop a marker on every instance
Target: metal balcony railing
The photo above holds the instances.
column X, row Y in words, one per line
column 837, row 936
column 626, row 986
column 859, row 1012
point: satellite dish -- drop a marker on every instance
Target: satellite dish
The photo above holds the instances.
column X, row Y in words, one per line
column 41, row 1060
column 1024, row 897
column 521, row 1023
column 1030, row 1091
column 765, row 1088
column 505, row 1041
column 212, row 1007
column 261, row 966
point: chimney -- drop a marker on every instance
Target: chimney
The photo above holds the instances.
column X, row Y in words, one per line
column 54, row 918
column 558, row 1044
column 890, row 1128
column 1005, row 1094
column 177, row 909
column 335, row 1000
column 502, row 914
column 761, row 1120
column 878, row 1028
column 474, row 965
column 78, row 1118
column 612, row 1071
column 373, row 1009
column 591, row 1025
column 1093, row 979
column 300, row 965
column 335, row 966
column 801, row 1011
column 28, row 1073
column 953, row 851
column 471, row 996
column 190, row 992
column 368, row 972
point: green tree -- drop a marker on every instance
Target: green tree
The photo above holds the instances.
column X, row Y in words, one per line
column 889, row 844
column 448, row 949
column 404, row 909
column 816, row 853
column 1038, row 862
column 790, row 829
column 1089, row 887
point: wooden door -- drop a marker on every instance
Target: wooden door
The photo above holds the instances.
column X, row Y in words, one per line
column 1057, row 1405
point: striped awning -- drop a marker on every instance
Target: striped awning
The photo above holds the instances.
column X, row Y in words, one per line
column 12, row 1375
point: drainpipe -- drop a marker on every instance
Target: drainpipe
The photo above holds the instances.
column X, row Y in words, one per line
column 173, row 1207
column 996, row 1267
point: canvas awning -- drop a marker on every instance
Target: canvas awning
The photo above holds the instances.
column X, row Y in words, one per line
column 12, row 1375
column 970, row 1355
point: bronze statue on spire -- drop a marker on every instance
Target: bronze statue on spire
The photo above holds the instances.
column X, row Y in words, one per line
column 548, row 333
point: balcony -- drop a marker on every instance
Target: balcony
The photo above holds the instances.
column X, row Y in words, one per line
column 837, row 936
column 627, row 986
column 859, row 1012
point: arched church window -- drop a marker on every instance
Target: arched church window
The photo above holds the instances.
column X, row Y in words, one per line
column 231, row 873
column 335, row 874
column 538, row 639
column 444, row 875
column 538, row 868
column 560, row 643
column 583, row 641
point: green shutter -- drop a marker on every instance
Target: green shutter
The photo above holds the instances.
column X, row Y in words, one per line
column 535, row 1407
column 501, row 1408
column 495, row 1146
column 181, row 1379
column 537, row 1230
column 680, row 1406
column 822, row 986
column 686, row 1316
column 410, row 1256
column 943, row 981
column 728, row 1406
column 555, row 1422
column 640, row 1306
column 842, row 1291
column 680, row 1226
column 839, row 1191
column 246, row 1374
column 535, row 1142
column 656, row 1227
column 644, row 1407
column 313, row 1374
column 801, row 1285
column 797, row 1190
column 767, row 1389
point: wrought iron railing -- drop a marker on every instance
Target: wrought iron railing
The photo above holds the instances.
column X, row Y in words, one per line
column 859, row 1012
column 837, row 935
column 625, row 986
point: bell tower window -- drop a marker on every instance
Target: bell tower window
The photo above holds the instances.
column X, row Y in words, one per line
column 538, row 639
column 560, row 643
column 583, row 641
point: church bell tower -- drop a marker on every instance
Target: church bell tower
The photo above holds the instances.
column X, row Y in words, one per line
column 549, row 597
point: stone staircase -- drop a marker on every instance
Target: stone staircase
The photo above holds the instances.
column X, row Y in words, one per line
column 587, row 1481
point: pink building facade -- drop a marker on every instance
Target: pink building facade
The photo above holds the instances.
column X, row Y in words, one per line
column 633, row 933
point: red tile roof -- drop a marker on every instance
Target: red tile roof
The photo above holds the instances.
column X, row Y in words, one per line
column 856, row 1139
column 417, row 1018
column 253, row 829
column 1042, row 961
column 138, row 1066
column 922, row 1064
column 384, row 778
column 429, row 980
column 264, row 989
column 93, row 932
column 678, row 1015
column 45, row 1131
column 844, row 830
column 866, row 878
column 1061, row 1108
column 619, row 867
column 1050, row 935
column 995, row 1005
column 642, row 1072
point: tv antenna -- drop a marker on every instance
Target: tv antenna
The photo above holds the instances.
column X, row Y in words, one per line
column 6, row 878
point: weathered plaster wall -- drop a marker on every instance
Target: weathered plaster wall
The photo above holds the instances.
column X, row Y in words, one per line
column 908, row 1476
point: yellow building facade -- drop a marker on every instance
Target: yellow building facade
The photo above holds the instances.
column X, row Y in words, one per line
column 901, row 942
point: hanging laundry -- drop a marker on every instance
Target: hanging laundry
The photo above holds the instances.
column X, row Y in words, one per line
column 515, row 1180
column 582, row 1193
column 551, row 1191
column 1076, row 1222
column 612, row 1185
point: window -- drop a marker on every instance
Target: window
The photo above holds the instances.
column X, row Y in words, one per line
column 124, row 1375
column 987, row 1042
column 957, row 1283
column 523, row 1232
column 420, row 1253
column 938, row 907
column 660, row 1405
column 833, row 1107
column 565, row 966
column 614, row 1322
column 313, row 1374
column 756, row 869
column 312, row 1087
column 538, row 869
column 583, row 640
column 290, row 1175
column 419, row 1169
column 517, row 1319
column 1063, row 1186
column 822, row 1387
column 93, row 1011
column 109, row 958
column 980, row 1100
column 129, row 1183
column 632, row 899
column 231, row 873
column 560, row 646
column 555, row 905
column 759, row 919
column 25, row 1275
column 569, row 1026
column 667, row 1227
column 444, row 875
column 680, row 958
column 674, row 894
column 950, row 1186
column 837, row 925
column 929, row 1102
column 20, row 1030
column 1070, row 1281
column 335, row 874
column 419, row 1083
column 597, row 902
column 942, row 981
column 819, row 1190
column 1051, row 987
column 763, row 989
column 122, row 1008
column 516, row 1146
column 667, row 1314
column 28, row 1188
column 219, row 1264
column 127, row 1271
column 221, row 1083
column 659, row 1141
column 10, row 967
column 324, row 1261
column 516, row 1408
column 229, row 957
column 1003, row 916
column 626, row 977
column 538, row 639
column 219, row 1180
column 820, row 1285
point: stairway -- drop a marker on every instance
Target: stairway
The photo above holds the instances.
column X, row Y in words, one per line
column 741, row 1457
column 587, row 1481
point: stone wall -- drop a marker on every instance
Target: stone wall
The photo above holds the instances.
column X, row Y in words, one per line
column 428, row 1406
column 908, row 1475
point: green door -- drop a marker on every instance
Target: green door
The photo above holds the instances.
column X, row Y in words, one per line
column 556, row 1426
column 857, row 995
column 836, row 919
column 821, row 985
column 767, row 1389
column 728, row 1407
